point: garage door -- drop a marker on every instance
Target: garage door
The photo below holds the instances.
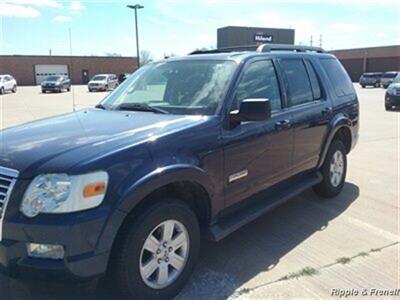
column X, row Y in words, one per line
column 44, row 71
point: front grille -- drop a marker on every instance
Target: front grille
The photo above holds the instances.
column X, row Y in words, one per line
column 8, row 177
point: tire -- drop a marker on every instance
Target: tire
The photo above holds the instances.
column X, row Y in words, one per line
column 2, row 91
column 129, row 253
column 329, row 186
column 14, row 89
column 388, row 107
column 363, row 86
column 68, row 89
column 106, row 88
column 377, row 85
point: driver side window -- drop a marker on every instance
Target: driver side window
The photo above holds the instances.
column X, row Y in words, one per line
column 259, row 81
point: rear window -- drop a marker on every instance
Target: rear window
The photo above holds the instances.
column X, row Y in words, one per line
column 299, row 86
column 338, row 76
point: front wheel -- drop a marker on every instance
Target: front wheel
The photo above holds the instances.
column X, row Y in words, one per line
column 156, row 251
column 333, row 171
column 2, row 91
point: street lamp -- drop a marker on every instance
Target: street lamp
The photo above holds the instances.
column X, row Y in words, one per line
column 136, row 7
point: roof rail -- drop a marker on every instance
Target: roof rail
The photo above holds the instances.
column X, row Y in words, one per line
column 284, row 47
column 226, row 49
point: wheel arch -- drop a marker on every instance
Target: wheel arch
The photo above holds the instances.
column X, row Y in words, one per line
column 339, row 129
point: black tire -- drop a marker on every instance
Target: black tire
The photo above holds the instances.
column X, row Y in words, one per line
column 2, row 91
column 125, row 262
column 363, row 86
column 388, row 107
column 325, row 188
column 14, row 89
column 106, row 88
column 68, row 89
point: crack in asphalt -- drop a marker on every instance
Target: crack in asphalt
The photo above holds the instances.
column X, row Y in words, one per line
column 309, row 271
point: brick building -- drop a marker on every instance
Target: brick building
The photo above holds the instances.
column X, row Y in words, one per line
column 373, row 59
column 32, row 69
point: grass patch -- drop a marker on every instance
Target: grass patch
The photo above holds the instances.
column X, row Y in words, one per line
column 307, row 271
column 343, row 260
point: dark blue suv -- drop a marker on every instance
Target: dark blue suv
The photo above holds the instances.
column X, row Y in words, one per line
column 188, row 146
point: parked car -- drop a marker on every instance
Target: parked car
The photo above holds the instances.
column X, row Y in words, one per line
column 103, row 82
column 122, row 77
column 129, row 187
column 7, row 83
column 387, row 78
column 371, row 79
column 56, row 83
column 392, row 95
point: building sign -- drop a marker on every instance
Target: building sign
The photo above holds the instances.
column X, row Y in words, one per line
column 262, row 37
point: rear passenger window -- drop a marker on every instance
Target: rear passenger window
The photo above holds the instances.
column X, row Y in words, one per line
column 259, row 81
column 337, row 76
column 316, row 89
column 299, row 87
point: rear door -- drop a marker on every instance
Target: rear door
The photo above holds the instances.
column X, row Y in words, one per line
column 257, row 154
column 311, row 110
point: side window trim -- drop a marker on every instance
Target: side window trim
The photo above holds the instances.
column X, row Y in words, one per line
column 278, row 79
column 311, row 68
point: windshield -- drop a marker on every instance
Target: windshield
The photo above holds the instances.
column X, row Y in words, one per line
column 397, row 79
column 99, row 78
column 54, row 78
column 389, row 75
column 177, row 87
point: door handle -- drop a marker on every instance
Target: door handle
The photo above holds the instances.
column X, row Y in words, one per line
column 284, row 124
column 326, row 111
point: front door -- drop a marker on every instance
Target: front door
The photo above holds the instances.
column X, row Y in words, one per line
column 85, row 76
column 257, row 154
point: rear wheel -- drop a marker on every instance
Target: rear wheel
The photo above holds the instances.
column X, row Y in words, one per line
column 363, row 86
column 333, row 171
column 14, row 89
column 156, row 251
column 1, row 91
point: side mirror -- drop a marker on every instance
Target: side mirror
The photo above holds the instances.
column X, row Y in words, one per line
column 251, row 110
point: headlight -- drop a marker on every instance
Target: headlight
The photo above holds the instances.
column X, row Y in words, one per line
column 60, row 193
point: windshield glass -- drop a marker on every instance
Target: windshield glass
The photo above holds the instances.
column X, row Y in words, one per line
column 389, row 75
column 54, row 78
column 99, row 78
column 177, row 87
column 397, row 79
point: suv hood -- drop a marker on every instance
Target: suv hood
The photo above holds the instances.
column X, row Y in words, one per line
column 82, row 135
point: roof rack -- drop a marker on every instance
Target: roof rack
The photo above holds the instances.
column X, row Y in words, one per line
column 226, row 49
column 261, row 48
column 284, row 47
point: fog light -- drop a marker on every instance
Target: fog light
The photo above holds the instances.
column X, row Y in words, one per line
column 45, row 251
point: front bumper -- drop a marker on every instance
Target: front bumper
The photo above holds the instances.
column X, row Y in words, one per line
column 51, row 88
column 392, row 100
column 97, row 87
column 87, row 237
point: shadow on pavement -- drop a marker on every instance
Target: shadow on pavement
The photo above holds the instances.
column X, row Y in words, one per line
column 224, row 266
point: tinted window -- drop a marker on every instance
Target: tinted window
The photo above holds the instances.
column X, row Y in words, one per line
column 299, row 87
column 316, row 88
column 259, row 81
column 337, row 76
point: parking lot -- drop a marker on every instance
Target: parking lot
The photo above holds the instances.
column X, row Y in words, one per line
column 303, row 249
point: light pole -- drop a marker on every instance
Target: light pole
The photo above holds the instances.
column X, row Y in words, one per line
column 136, row 7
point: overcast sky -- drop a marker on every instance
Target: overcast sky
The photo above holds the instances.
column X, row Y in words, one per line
column 101, row 27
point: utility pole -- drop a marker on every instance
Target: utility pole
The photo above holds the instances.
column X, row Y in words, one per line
column 136, row 7
column 70, row 67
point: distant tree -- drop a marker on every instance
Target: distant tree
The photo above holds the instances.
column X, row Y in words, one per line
column 145, row 57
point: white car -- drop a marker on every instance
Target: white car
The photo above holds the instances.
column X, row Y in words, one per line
column 103, row 82
column 7, row 83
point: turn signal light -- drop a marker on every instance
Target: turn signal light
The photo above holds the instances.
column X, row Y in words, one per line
column 94, row 189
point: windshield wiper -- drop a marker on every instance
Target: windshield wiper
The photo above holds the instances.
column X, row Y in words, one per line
column 100, row 106
column 141, row 107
